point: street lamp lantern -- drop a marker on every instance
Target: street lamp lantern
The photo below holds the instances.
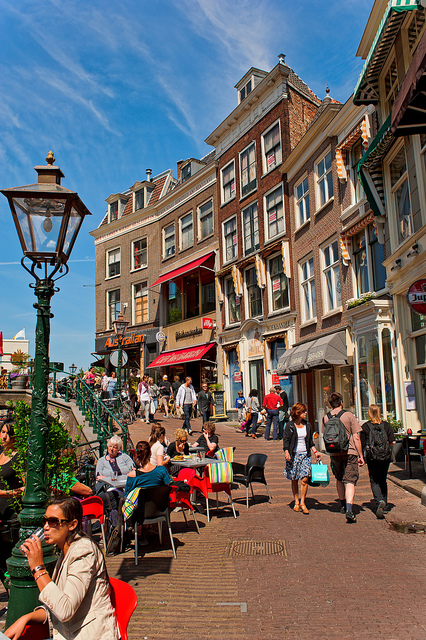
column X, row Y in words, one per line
column 48, row 218
column 120, row 326
column 73, row 368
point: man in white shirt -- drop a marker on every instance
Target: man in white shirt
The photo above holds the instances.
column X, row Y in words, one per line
column 187, row 400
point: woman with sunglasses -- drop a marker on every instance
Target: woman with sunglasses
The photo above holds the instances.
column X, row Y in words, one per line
column 77, row 598
column 178, row 448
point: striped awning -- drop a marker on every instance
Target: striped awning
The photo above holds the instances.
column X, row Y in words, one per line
column 367, row 88
column 362, row 130
column 347, row 234
column 370, row 168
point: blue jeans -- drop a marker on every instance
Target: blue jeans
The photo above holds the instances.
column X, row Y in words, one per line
column 252, row 422
column 187, row 411
column 281, row 423
column 206, row 416
column 272, row 416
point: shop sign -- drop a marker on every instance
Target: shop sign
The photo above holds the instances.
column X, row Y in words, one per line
column 237, row 376
column 127, row 341
column 160, row 337
column 275, row 378
column 416, row 297
column 207, row 323
column 188, row 334
column 276, row 284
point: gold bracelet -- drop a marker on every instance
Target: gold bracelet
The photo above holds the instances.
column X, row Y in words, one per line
column 42, row 573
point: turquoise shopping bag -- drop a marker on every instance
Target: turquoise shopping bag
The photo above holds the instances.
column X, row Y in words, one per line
column 319, row 475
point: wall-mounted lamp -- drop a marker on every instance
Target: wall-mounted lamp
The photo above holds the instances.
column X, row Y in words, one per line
column 414, row 250
column 397, row 264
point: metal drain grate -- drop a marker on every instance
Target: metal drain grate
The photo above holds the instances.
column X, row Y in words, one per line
column 255, row 548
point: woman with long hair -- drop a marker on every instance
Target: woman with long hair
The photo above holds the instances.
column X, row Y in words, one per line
column 298, row 444
column 253, row 408
column 146, row 473
column 157, row 442
column 77, row 597
column 379, row 438
column 10, row 490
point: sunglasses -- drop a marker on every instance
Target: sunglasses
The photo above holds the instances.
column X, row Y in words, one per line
column 53, row 523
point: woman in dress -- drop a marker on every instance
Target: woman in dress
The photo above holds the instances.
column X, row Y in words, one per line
column 156, row 442
column 10, row 489
column 378, row 457
column 253, row 407
column 298, row 444
column 77, row 598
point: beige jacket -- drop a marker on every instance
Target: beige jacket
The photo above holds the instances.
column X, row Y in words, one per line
column 78, row 598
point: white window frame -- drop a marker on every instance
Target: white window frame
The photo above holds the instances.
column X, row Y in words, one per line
column 254, row 231
column 234, row 244
column 199, row 216
column 108, row 306
column 247, row 295
column 268, row 213
column 135, row 195
column 267, row 167
column 232, row 192
column 307, row 284
column 144, row 294
column 110, row 206
column 392, row 191
column 331, row 273
column 323, row 177
column 226, row 296
column 165, row 254
column 250, row 168
column 246, row 89
column 188, row 215
column 108, row 263
column 271, row 284
column 143, row 265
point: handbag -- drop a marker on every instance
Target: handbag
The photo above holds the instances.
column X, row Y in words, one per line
column 248, row 413
column 319, row 475
column 152, row 407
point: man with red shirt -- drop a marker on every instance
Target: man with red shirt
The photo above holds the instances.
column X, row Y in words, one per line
column 271, row 403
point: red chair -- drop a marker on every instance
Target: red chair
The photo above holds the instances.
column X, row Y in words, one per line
column 205, row 486
column 93, row 509
column 36, row 632
column 182, row 498
column 124, row 600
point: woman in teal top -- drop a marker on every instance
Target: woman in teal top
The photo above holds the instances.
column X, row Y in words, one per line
column 146, row 474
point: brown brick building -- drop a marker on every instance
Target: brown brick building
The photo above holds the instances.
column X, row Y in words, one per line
column 256, row 319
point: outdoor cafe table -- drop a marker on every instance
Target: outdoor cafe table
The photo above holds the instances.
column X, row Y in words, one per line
column 405, row 439
column 193, row 464
column 196, row 449
column 119, row 483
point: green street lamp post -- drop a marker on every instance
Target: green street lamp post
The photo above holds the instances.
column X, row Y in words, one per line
column 120, row 326
column 48, row 218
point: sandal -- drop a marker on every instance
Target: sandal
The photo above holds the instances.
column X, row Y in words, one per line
column 296, row 507
column 253, row 435
column 304, row 508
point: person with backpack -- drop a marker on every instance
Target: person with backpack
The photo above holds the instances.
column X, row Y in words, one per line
column 379, row 438
column 341, row 431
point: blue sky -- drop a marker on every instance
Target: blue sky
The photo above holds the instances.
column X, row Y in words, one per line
column 116, row 87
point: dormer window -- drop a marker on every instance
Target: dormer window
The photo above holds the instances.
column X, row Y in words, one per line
column 139, row 199
column 186, row 172
column 113, row 211
column 245, row 90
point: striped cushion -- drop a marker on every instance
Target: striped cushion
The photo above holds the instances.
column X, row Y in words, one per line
column 130, row 503
column 220, row 472
column 226, row 454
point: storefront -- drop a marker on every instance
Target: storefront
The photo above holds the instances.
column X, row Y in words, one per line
column 140, row 349
column 198, row 362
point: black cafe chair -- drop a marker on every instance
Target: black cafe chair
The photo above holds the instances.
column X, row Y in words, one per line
column 153, row 506
column 253, row 471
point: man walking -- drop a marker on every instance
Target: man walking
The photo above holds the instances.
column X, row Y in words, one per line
column 205, row 400
column 186, row 399
column 132, row 386
column 271, row 402
column 345, row 464
column 282, row 411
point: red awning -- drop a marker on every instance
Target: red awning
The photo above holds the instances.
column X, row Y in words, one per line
column 182, row 355
column 190, row 266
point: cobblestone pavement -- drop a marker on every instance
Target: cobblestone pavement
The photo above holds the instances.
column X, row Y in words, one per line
column 337, row 581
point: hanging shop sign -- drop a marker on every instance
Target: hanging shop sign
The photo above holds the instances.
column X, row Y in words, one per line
column 207, row 323
column 416, row 296
column 160, row 337
column 237, row 376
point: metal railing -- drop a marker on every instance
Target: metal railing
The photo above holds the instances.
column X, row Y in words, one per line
column 104, row 420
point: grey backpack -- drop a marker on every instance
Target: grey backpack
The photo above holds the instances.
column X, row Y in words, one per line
column 335, row 435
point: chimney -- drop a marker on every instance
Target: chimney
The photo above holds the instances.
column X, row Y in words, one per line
column 148, row 175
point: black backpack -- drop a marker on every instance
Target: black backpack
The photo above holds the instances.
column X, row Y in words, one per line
column 335, row 435
column 377, row 447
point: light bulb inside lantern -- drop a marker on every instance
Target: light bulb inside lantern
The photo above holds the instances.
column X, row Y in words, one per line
column 47, row 225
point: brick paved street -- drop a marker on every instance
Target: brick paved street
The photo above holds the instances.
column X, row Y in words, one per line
column 338, row 580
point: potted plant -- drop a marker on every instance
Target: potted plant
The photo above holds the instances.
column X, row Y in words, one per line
column 397, row 449
column 21, row 362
